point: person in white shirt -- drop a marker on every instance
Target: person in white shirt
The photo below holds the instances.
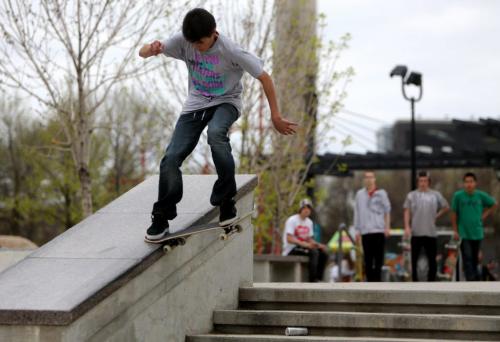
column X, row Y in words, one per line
column 298, row 240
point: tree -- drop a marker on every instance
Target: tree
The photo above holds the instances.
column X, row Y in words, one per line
column 14, row 170
column 134, row 127
column 310, row 91
column 79, row 48
column 39, row 186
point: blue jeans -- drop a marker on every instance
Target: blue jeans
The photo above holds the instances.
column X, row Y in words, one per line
column 470, row 257
column 185, row 138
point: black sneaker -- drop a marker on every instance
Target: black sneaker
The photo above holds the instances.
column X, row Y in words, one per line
column 158, row 228
column 227, row 213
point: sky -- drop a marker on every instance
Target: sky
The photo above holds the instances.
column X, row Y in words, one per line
column 455, row 44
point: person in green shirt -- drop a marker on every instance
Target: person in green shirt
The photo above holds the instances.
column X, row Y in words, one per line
column 470, row 207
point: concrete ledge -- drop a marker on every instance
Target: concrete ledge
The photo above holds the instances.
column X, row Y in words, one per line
column 9, row 257
column 76, row 271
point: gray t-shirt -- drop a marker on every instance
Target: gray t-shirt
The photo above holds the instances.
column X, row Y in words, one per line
column 424, row 205
column 214, row 75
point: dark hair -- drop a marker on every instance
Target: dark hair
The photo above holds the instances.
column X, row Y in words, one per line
column 424, row 174
column 470, row 174
column 198, row 23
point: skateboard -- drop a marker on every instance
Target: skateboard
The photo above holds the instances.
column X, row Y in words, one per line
column 450, row 263
column 179, row 238
column 404, row 267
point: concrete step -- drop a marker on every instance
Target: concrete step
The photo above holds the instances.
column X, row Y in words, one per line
column 323, row 323
column 275, row 338
column 418, row 298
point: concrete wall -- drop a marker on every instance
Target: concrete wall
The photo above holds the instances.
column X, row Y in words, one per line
column 167, row 302
column 170, row 298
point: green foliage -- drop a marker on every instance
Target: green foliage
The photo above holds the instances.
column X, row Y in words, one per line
column 39, row 193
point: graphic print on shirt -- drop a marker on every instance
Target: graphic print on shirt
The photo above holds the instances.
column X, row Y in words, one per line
column 472, row 203
column 302, row 232
column 204, row 77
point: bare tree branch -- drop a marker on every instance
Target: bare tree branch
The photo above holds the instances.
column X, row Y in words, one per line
column 98, row 41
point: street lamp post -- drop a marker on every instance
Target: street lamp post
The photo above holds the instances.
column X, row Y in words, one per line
column 414, row 78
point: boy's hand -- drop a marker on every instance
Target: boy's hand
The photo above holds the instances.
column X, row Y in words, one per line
column 283, row 126
column 305, row 244
column 387, row 232
column 156, row 47
column 323, row 247
column 407, row 232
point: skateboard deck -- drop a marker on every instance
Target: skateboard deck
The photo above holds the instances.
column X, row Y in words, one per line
column 450, row 264
column 404, row 272
column 172, row 240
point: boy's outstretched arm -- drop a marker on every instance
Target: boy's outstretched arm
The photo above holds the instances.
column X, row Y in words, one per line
column 281, row 124
column 152, row 49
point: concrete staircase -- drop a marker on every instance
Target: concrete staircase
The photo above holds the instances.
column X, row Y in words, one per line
column 362, row 312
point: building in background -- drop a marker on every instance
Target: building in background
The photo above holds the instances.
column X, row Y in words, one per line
column 441, row 136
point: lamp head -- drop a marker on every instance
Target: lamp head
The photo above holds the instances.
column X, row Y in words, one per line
column 399, row 70
column 414, row 78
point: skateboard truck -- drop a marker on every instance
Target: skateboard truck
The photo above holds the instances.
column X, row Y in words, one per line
column 171, row 244
column 230, row 230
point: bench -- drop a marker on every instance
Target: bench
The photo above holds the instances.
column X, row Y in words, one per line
column 279, row 268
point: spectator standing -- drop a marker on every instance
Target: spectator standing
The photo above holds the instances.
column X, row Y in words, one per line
column 372, row 222
column 422, row 208
column 470, row 207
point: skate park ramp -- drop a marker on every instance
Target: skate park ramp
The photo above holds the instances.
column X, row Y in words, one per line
column 99, row 280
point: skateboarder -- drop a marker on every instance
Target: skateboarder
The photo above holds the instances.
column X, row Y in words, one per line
column 422, row 208
column 298, row 240
column 372, row 220
column 216, row 66
column 470, row 207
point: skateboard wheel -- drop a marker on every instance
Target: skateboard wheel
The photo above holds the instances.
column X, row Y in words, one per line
column 238, row 228
column 223, row 237
column 167, row 248
column 182, row 241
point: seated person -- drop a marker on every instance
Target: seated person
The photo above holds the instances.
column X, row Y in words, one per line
column 298, row 240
